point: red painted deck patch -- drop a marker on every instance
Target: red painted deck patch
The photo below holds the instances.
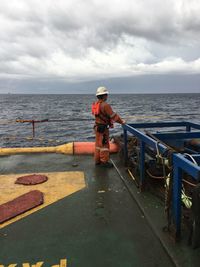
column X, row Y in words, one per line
column 20, row 205
column 31, row 179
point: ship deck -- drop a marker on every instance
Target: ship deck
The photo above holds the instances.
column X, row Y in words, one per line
column 102, row 220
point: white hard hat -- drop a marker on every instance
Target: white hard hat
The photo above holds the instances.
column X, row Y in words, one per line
column 102, row 91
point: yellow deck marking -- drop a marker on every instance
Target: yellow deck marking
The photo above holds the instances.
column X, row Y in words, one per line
column 58, row 186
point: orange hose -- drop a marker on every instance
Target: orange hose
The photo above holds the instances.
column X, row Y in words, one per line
column 88, row 148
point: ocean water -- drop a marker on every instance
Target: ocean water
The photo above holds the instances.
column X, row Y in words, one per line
column 70, row 116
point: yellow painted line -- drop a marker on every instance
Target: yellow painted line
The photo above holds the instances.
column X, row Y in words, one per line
column 63, row 263
column 58, row 186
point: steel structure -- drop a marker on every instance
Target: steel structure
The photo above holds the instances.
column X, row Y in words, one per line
column 180, row 162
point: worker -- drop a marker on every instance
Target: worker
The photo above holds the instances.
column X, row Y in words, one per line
column 104, row 119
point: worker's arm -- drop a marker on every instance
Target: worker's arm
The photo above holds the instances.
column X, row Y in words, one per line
column 113, row 115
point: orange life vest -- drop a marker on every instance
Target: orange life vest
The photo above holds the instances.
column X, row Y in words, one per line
column 96, row 108
column 96, row 111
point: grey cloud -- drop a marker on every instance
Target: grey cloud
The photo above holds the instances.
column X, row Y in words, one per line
column 38, row 30
column 192, row 24
column 96, row 27
column 103, row 29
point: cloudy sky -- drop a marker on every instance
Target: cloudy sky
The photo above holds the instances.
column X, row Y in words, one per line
column 68, row 46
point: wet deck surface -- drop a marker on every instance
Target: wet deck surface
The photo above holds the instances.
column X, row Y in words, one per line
column 99, row 225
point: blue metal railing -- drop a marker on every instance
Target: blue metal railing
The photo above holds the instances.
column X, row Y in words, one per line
column 179, row 162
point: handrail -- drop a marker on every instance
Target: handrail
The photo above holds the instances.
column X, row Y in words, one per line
column 179, row 162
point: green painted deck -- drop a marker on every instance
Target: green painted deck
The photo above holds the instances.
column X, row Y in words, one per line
column 99, row 225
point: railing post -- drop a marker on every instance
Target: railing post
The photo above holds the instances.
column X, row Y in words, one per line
column 188, row 128
column 176, row 201
column 142, row 163
column 33, row 125
column 125, row 147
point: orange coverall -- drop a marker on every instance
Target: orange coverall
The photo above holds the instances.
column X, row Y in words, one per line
column 102, row 138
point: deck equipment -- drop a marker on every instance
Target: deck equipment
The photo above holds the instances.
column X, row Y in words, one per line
column 177, row 151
